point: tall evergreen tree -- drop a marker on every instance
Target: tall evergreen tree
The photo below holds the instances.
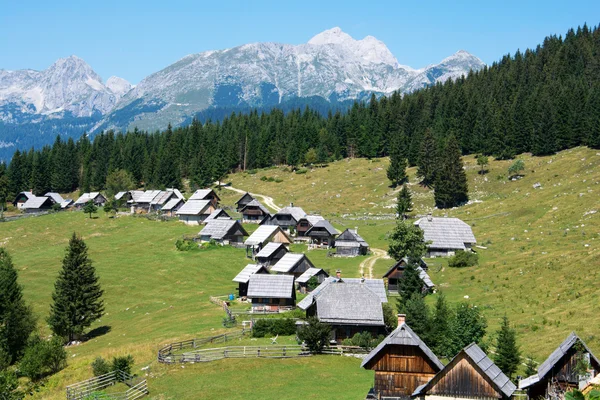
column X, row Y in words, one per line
column 451, row 187
column 407, row 241
column 16, row 319
column 409, row 285
column 417, row 316
column 427, row 162
column 508, row 355
column 77, row 297
column 442, row 335
column 468, row 326
column 404, row 205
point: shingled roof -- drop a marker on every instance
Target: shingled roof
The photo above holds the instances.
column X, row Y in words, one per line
column 271, row 286
column 249, row 270
column 325, row 225
column 55, row 196
column 255, row 203
column 309, row 273
column 203, row 194
column 350, row 238
column 219, row 213
column 84, row 198
column 422, row 273
column 446, row 233
column 288, row 262
column 219, row 228
column 35, row 202
column 261, row 234
column 404, row 336
column 473, row 352
column 269, row 249
column 554, row 358
column 148, row 196
column 193, row 207
column 376, row 285
column 296, row 212
column 171, row 204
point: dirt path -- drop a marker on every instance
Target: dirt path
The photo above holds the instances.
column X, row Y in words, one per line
column 267, row 201
column 370, row 262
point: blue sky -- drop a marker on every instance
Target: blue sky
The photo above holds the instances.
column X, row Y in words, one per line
column 132, row 39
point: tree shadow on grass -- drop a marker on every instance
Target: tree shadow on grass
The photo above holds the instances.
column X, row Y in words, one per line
column 96, row 332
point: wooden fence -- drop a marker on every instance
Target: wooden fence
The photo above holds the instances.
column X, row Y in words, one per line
column 207, row 355
column 138, row 387
column 166, row 354
column 223, row 304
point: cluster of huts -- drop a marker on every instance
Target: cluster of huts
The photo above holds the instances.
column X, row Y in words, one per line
column 30, row 203
column 406, row 368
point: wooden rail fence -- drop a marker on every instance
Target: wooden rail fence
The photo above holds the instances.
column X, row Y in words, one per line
column 138, row 387
column 206, row 355
column 166, row 353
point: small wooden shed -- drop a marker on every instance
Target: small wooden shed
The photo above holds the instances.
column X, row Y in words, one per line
column 292, row 264
column 195, row 211
column 243, row 201
column 263, row 235
column 38, row 204
column 322, row 234
column 350, row 244
column 302, row 281
column 254, row 212
column 224, row 231
column 271, row 293
column 394, row 275
column 445, row 236
column 271, row 253
column 21, row 199
column 244, row 277
column 206, row 194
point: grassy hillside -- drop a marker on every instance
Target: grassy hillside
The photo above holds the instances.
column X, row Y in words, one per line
column 539, row 267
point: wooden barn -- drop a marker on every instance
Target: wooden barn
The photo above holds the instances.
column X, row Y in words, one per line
column 172, row 206
column 307, row 222
column 206, row 194
column 446, row 236
column 322, row 234
column 470, row 375
column 558, row 373
column 287, row 218
column 302, row 281
column 96, row 197
column 21, row 199
column 244, row 277
column 219, row 213
column 271, row 253
column 292, row 264
column 38, row 204
column 224, row 231
column 350, row 244
column 394, row 275
column 243, row 201
column 263, row 235
column 349, row 305
column 254, row 211
column 402, row 362
column 57, row 198
column 163, row 197
column 195, row 211
column 271, row 293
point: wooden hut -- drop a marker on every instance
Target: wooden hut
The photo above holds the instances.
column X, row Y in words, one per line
column 559, row 373
column 219, row 213
column 271, row 293
column 254, row 211
column 163, row 197
column 38, row 204
column 402, row 362
column 307, row 222
column 350, row 306
column 244, row 277
column 287, row 218
column 322, row 234
column 292, row 264
column 21, row 199
column 224, row 231
column 350, row 244
column 57, row 198
column 263, row 235
column 96, row 197
column 243, row 201
column 172, row 206
column 195, row 211
column 206, row 194
column 394, row 275
column 271, row 253
column 302, row 281
column 446, row 236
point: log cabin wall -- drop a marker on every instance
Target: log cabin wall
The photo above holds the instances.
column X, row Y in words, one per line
column 463, row 380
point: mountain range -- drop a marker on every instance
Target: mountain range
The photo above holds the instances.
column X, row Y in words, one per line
column 332, row 68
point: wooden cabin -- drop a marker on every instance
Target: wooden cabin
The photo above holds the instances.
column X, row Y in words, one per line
column 287, row 218
column 21, row 199
column 163, row 197
column 402, row 362
column 470, row 375
column 271, row 293
column 350, row 244
column 271, row 253
column 302, row 281
column 349, row 305
column 38, row 204
column 394, row 276
column 558, row 373
column 322, row 234
column 445, row 236
column 307, row 222
column 98, row 199
column 243, row 201
column 224, row 231
column 263, row 235
column 195, row 211
column 219, row 213
column 254, row 211
column 206, row 194
column 244, row 277
column 292, row 264
column 172, row 206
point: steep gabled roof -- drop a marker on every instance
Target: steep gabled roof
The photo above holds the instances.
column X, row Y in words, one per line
column 57, row 198
column 289, row 261
column 162, row 197
column 422, row 273
column 194, row 207
column 219, row 228
column 325, row 225
column 309, row 273
column 554, row 358
column 148, row 196
column 219, row 213
column 262, row 234
column 255, row 203
column 350, row 235
column 296, row 212
column 482, row 363
column 404, row 336
column 136, row 195
column 446, row 233
column 269, row 249
column 120, row 195
column 376, row 285
column 171, row 204
column 36, row 202
column 250, row 269
column 203, row 194
column 245, row 196
column 313, row 219
column 271, row 286
column 27, row 195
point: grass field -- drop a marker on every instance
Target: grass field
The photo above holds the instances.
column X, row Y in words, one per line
column 540, row 267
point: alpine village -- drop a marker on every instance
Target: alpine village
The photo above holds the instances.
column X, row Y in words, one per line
column 438, row 243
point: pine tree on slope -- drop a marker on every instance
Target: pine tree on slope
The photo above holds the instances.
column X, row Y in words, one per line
column 508, row 355
column 451, row 187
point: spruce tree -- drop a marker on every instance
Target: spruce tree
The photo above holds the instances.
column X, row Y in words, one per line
column 441, row 328
column 593, row 117
column 468, row 326
column 16, row 319
column 77, row 297
column 410, row 284
column 451, row 187
column 404, row 205
column 427, row 161
column 508, row 355
column 417, row 316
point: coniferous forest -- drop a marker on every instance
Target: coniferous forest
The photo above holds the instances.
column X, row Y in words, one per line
column 541, row 101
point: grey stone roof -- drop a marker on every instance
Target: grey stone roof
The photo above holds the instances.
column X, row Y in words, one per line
column 194, row 207
column 55, row 196
column 296, row 212
column 351, row 303
column 350, row 236
column 500, row 381
column 171, row 204
column 309, row 273
column 202, row 194
column 288, row 262
column 36, row 202
column 148, row 196
column 87, row 197
column 376, row 285
column 545, row 367
column 250, row 269
column 324, row 224
column 244, row 196
column 255, row 203
column 446, row 233
column 219, row 213
column 261, row 235
column 269, row 249
column 271, row 286
column 163, row 197
column 404, row 336
column 219, row 228
column 136, row 195
column 313, row 219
